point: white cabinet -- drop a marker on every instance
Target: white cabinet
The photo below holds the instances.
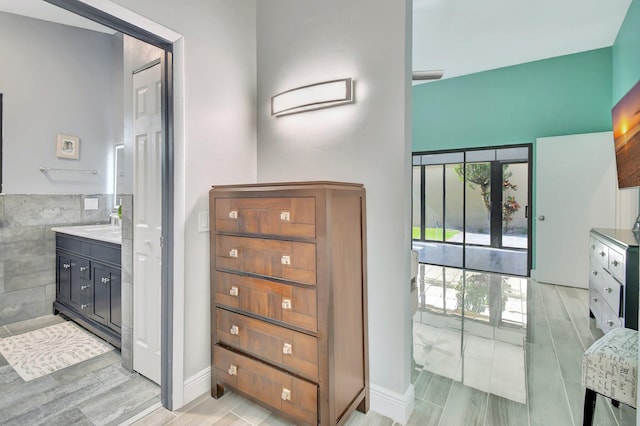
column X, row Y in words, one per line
column 613, row 278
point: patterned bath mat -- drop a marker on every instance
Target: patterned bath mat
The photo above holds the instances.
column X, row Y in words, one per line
column 41, row 352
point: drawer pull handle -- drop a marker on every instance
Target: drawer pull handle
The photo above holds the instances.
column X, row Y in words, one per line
column 595, row 300
column 610, row 323
column 287, row 349
column 83, row 268
column 233, row 214
column 66, row 266
column 233, row 253
column 286, row 394
column 616, row 263
column 84, row 287
column 602, row 253
column 285, row 260
column 286, row 303
column 104, row 280
column 593, row 246
column 233, row 370
column 234, row 330
column 595, row 273
column 84, row 306
column 285, row 216
column 233, row 291
column 608, row 290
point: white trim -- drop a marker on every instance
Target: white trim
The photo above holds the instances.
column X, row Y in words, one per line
column 393, row 405
column 140, row 21
column 197, row 385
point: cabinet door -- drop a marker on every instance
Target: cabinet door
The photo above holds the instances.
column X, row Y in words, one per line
column 63, row 270
column 100, row 305
column 115, row 311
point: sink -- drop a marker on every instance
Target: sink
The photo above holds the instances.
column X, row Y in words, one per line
column 102, row 232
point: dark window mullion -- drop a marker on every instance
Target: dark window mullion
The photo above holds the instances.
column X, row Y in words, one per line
column 496, row 204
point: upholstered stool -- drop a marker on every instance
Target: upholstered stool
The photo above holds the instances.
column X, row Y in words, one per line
column 610, row 368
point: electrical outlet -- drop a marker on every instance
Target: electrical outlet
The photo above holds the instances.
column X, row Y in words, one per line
column 91, row 204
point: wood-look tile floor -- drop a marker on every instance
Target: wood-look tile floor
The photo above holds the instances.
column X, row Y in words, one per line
column 97, row 391
column 462, row 392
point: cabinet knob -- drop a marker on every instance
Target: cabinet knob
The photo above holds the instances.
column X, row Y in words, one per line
column 610, row 323
column 285, row 260
column 286, row 303
column 593, row 246
column 602, row 253
column 84, row 306
column 66, row 266
column 287, row 349
column 233, row 214
column 595, row 273
column 104, row 280
column 233, row 291
column 286, row 394
column 616, row 263
column 84, row 287
column 233, row 370
column 83, row 268
column 595, row 299
column 233, row 253
column 285, row 216
column 608, row 289
column 235, row 330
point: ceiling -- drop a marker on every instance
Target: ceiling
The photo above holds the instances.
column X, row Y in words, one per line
column 464, row 36
column 468, row 36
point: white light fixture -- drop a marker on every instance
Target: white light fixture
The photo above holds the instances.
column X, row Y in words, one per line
column 427, row 75
column 314, row 96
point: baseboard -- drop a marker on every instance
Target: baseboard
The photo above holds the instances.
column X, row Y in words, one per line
column 393, row 405
column 197, row 385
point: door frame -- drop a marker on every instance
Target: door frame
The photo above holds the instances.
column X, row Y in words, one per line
column 168, row 192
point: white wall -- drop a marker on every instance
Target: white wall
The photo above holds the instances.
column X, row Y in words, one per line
column 55, row 79
column 302, row 42
column 219, row 135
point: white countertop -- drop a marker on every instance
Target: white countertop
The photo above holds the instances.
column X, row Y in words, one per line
column 107, row 232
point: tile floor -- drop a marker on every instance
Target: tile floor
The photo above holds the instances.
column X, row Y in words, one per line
column 488, row 350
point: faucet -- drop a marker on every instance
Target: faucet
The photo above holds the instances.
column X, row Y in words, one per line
column 115, row 219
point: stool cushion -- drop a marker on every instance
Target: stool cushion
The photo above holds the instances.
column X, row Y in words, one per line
column 610, row 365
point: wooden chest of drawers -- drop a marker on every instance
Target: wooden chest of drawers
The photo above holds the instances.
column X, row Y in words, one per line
column 613, row 278
column 288, row 298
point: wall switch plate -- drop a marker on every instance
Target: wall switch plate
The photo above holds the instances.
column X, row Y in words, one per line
column 203, row 222
column 91, row 204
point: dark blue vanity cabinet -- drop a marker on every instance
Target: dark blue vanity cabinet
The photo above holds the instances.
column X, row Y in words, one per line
column 88, row 287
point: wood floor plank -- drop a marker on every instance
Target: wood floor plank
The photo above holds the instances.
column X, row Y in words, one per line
column 503, row 412
column 576, row 303
column 465, row 406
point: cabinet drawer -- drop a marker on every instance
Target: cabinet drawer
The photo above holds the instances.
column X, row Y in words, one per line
column 295, row 351
column 295, row 397
column 290, row 217
column 599, row 252
column 610, row 290
column 616, row 264
column 290, row 304
column 289, row 260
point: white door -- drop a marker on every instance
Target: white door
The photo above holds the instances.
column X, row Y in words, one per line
column 576, row 189
column 147, row 216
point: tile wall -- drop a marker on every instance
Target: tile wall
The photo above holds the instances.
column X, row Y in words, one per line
column 27, row 248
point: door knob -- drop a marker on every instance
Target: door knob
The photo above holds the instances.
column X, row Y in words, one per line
column 541, row 218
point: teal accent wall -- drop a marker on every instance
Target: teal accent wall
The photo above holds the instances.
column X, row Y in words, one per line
column 626, row 54
column 560, row 96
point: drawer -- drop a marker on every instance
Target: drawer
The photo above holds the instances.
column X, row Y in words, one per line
column 606, row 318
column 282, row 302
column 289, row 260
column 295, row 351
column 616, row 264
column 600, row 252
column 611, row 291
column 275, row 388
column 289, row 217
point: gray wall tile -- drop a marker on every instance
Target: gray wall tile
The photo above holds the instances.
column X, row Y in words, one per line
column 22, row 305
column 28, row 210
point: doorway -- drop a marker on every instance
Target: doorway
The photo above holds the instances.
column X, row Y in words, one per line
column 471, row 209
column 167, row 172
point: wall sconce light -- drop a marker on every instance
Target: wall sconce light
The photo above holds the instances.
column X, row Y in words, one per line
column 314, row 96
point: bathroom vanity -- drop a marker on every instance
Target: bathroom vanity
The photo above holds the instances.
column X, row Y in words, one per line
column 88, row 286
